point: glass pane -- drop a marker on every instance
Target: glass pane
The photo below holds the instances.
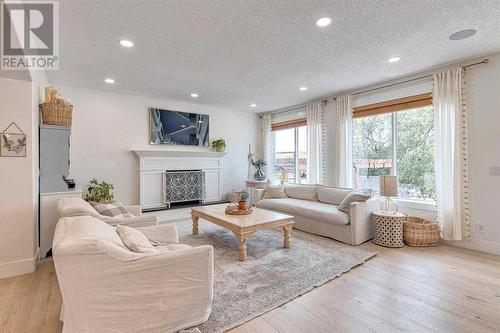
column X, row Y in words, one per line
column 415, row 153
column 302, row 154
column 284, row 150
column 372, row 150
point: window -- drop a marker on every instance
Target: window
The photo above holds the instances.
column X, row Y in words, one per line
column 396, row 143
column 290, row 154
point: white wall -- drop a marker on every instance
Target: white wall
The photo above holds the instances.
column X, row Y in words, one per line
column 17, row 183
column 108, row 126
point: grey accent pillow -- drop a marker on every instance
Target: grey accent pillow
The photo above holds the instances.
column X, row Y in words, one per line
column 354, row 196
column 274, row 192
column 112, row 209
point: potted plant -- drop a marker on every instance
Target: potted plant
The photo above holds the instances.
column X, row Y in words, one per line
column 242, row 202
column 99, row 192
column 219, row 145
column 259, row 165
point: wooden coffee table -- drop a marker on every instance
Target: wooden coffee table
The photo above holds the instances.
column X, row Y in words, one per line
column 244, row 226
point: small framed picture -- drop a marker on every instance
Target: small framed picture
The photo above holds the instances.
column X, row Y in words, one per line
column 12, row 144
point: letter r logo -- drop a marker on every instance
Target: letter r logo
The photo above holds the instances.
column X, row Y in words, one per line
column 28, row 28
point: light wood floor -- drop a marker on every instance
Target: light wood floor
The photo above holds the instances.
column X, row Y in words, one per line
column 443, row 289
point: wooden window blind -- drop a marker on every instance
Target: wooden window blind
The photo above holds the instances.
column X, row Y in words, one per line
column 289, row 124
column 394, row 105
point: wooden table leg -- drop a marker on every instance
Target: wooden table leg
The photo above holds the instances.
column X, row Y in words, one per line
column 195, row 224
column 242, row 239
column 287, row 240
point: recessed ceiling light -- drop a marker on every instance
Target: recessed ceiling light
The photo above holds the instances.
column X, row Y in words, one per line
column 109, row 80
column 303, row 88
column 323, row 22
column 126, row 43
column 394, row 59
column 463, row 34
column 253, row 105
column 194, row 95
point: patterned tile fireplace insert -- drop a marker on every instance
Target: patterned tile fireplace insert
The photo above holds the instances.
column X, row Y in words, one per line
column 183, row 186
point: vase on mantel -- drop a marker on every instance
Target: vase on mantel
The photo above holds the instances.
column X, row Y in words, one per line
column 259, row 175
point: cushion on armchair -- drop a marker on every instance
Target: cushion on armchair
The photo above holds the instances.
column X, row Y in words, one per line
column 111, row 209
column 135, row 240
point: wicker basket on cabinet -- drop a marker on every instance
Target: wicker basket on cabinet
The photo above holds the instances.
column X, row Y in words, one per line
column 59, row 113
column 420, row 232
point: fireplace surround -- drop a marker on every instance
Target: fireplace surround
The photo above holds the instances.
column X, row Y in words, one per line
column 153, row 166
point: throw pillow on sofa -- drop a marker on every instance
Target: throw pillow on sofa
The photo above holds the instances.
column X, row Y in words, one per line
column 354, row 196
column 274, row 192
column 135, row 240
column 112, row 209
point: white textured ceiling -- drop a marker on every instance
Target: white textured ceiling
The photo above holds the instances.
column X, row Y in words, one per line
column 234, row 53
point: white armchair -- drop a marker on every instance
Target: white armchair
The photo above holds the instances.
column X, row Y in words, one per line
column 69, row 207
column 107, row 288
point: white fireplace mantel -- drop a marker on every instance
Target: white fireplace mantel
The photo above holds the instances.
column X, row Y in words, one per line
column 178, row 153
column 154, row 163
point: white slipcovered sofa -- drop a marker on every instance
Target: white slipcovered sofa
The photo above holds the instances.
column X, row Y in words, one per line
column 315, row 208
column 69, row 207
column 107, row 288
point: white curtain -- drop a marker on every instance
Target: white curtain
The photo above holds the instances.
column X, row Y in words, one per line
column 315, row 140
column 267, row 145
column 450, row 135
column 343, row 143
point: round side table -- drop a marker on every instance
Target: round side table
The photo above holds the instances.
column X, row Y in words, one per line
column 388, row 229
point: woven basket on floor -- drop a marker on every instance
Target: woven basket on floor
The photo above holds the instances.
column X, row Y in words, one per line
column 58, row 113
column 420, row 232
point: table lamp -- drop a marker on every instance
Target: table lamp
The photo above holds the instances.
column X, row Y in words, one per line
column 388, row 189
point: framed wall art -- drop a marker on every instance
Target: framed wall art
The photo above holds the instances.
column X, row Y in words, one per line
column 12, row 144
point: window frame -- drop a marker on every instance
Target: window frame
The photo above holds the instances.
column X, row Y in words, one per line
column 297, row 124
column 393, row 107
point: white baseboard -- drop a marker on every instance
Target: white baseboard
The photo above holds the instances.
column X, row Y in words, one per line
column 19, row 267
column 478, row 245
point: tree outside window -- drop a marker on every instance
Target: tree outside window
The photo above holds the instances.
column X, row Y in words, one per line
column 400, row 143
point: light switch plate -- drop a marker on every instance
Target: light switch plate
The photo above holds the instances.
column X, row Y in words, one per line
column 494, row 171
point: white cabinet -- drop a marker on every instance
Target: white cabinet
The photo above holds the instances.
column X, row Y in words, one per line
column 213, row 181
column 151, row 189
column 48, row 215
column 153, row 164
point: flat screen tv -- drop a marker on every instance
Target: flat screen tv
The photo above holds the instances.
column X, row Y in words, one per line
column 178, row 128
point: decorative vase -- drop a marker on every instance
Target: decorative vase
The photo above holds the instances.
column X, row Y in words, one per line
column 242, row 204
column 259, row 175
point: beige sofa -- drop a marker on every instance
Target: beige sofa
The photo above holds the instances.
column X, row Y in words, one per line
column 315, row 208
column 107, row 288
column 70, row 207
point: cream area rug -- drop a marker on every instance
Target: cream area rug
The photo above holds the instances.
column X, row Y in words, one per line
column 271, row 275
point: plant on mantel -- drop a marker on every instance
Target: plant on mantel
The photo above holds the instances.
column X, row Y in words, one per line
column 99, row 191
column 219, row 145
